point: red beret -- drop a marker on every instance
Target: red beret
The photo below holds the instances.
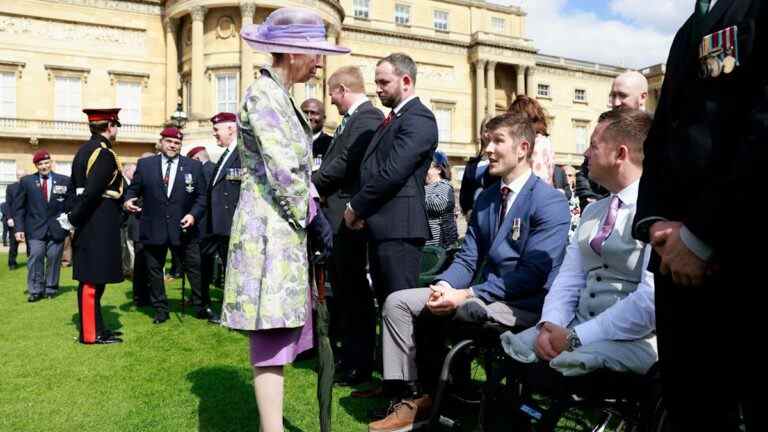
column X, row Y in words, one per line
column 40, row 155
column 172, row 132
column 223, row 117
column 195, row 150
column 101, row 115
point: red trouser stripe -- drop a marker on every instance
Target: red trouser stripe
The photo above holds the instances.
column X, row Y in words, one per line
column 89, row 313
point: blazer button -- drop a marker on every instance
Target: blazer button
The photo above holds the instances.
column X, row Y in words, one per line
column 599, row 279
column 591, row 314
column 592, row 295
column 605, row 266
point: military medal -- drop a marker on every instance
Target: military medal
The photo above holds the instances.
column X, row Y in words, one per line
column 516, row 229
column 719, row 53
column 188, row 181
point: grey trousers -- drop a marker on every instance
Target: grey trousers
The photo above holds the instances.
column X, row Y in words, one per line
column 43, row 266
column 401, row 310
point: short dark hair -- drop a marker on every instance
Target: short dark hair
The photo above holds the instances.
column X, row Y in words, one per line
column 519, row 125
column 402, row 63
column 98, row 128
column 627, row 126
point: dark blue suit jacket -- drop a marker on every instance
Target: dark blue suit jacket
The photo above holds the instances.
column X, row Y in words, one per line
column 160, row 221
column 224, row 192
column 35, row 217
column 518, row 271
column 392, row 175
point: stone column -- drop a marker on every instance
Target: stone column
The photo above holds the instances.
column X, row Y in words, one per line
column 490, row 83
column 530, row 89
column 198, row 69
column 171, row 66
column 479, row 96
column 332, row 64
column 520, row 80
column 247, row 10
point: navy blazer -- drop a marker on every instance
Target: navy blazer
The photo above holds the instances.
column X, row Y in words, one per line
column 223, row 195
column 10, row 193
column 160, row 221
column 35, row 217
column 392, row 175
column 514, row 270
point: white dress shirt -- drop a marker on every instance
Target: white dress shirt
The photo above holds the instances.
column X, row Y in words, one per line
column 402, row 104
column 514, row 188
column 628, row 319
column 232, row 147
column 356, row 105
column 172, row 176
column 49, row 185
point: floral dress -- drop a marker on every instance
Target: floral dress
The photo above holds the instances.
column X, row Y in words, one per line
column 267, row 278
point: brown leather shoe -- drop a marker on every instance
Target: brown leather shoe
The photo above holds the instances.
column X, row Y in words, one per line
column 405, row 416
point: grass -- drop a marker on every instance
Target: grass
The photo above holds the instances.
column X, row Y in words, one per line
column 184, row 375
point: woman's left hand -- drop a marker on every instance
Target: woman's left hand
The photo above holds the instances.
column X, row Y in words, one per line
column 320, row 238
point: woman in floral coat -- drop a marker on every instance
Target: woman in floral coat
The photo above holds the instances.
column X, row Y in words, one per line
column 267, row 288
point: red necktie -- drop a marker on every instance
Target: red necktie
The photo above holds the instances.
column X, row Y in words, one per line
column 44, row 187
column 388, row 119
column 503, row 211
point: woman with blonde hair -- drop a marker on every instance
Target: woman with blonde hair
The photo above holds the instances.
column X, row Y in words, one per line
column 267, row 288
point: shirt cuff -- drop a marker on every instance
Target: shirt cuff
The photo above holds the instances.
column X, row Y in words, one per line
column 589, row 332
column 698, row 247
column 642, row 229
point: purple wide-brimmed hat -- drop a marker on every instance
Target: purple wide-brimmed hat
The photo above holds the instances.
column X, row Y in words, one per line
column 291, row 31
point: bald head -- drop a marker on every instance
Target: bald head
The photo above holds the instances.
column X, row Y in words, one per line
column 630, row 90
column 315, row 112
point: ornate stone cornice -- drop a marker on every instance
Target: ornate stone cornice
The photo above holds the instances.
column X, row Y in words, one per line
column 149, row 7
column 391, row 38
column 198, row 13
column 170, row 25
column 105, row 36
column 12, row 66
column 67, row 70
column 115, row 76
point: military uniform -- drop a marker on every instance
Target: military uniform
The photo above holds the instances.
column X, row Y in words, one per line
column 97, row 187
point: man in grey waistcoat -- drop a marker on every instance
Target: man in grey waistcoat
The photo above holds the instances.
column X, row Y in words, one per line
column 599, row 312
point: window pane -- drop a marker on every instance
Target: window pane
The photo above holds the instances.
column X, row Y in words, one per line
column 226, row 93
column 581, row 139
column 498, row 24
column 361, row 8
column 580, row 95
column 441, row 20
column 402, row 14
column 543, row 90
column 444, row 126
column 65, row 168
column 129, row 100
column 7, row 94
column 67, row 99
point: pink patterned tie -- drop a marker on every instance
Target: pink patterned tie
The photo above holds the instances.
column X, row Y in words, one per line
column 605, row 230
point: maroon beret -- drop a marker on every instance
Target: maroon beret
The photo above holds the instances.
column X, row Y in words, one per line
column 195, row 150
column 223, row 117
column 172, row 132
column 40, row 155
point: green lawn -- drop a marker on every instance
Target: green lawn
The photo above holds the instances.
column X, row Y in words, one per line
column 184, row 375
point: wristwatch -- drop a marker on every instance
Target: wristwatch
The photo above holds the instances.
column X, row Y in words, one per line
column 573, row 340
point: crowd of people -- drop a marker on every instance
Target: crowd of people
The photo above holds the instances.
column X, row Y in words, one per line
column 611, row 266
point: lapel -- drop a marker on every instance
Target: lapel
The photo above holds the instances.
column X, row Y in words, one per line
column 178, row 181
column 518, row 210
column 228, row 163
column 347, row 127
column 710, row 19
column 382, row 130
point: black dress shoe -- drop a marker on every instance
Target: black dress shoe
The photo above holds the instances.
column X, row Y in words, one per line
column 13, row 266
column 34, row 297
column 160, row 318
column 352, row 377
column 104, row 340
column 209, row 314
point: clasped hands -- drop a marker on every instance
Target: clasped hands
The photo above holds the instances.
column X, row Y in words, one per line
column 352, row 221
column 687, row 268
column 445, row 299
column 551, row 341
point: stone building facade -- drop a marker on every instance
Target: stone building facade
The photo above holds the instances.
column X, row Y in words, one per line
column 58, row 56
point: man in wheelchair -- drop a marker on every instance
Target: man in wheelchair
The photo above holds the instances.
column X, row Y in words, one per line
column 599, row 312
column 515, row 243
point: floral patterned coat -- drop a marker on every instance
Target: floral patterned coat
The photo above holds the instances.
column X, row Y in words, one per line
column 267, row 279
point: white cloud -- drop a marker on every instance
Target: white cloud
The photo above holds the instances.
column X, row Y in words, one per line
column 639, row 39
column 663, row 15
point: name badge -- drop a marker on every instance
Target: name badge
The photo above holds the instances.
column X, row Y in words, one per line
column 317, row 162
column 719, row 53
column 59, row 189
column 234, row 174
column 79, row 191
column 515, row 233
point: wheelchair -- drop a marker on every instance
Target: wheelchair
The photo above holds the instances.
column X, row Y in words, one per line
column 534, row 397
